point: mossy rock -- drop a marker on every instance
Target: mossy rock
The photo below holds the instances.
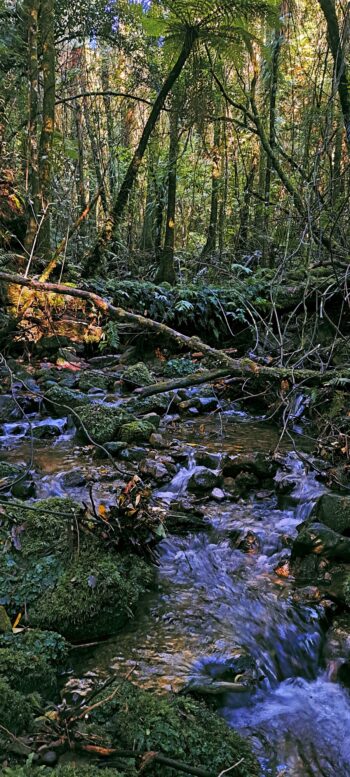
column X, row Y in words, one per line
column 334, row 511
column 29, row 661
column 66, row 770
column 93, row 379
column 159, row 403
column 59, row 400
column 138, row 375
column 177, row 727
column 45, row 525
column 136, row 431
column 94, row 597
column 16, row 480
column 16, row 709
column 102, row 422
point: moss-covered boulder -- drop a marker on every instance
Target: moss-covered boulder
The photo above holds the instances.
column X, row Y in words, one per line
column 137, row 375
column 136, row 431
column 102, row 422
column 17, row 713
column 94, row 597
column 59, row 400
column 333, row 511
column 29, row 661
column 159, row 403
column 93, row 379
column 177, row 727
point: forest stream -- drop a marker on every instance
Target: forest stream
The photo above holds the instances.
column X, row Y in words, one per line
column 220, row 609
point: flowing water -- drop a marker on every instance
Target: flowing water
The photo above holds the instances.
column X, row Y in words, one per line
column 219, row 604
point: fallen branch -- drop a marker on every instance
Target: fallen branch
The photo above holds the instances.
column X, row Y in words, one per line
column 194, row 379
column 243, row 367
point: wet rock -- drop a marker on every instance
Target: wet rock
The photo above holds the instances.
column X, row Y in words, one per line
column 333, row 511
column 157, row 440
column 218, row 495
column 114, row 448
column 259, row 464
column 92, row 379
column 215, row 676
column 135, row 454
column 203, row 480
column 337, row 650
column 283, row 568
column 17, row 480
column 310, row 594
column 185, row 519
column 102, row 422
column 158, row 403
column 46, row 431
column 157, row 470
column 74, row 479
column 209, row 460
column 58, row 398
column 137, row 375
column 9, row 409
column 320, row 540
column 152, row 418
column 245, row 482
column 136, row 431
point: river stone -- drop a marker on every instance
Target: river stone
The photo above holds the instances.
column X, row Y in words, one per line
column 9, row 410
column 46, row 431
column 333, row 511
column 218, row 494
column 155, row 469
column 158, row 403
column 320, row 540
column 259, row 464
column 93, row 379
column 203, row 480
column 137, row 375
column 102, row 422
column 58, row 398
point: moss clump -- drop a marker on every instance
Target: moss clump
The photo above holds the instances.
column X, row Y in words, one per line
column 94, row 597
column 46, row 526
column 102, row 422
column 136, row 431
column 58, row 399
column 28, row 661
column 159, row 403
column 16, row 709
column 138, row 375
column 179, row 727
column 5, row 623
column 67, row 770
column 93, row 379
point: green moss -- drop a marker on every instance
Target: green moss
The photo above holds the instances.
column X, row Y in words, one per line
column 136, row 431
column 95, row 379
column 5, row 622
column 28, row 661
column 16, row 709
column 58, row 399
column 102, row 422
column 94, row 597
column 67, row 770
column 138, row 375
column 159, row 403
column 46, row 526
column 178, row 727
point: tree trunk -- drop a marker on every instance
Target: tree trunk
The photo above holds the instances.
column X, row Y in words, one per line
column 46, row 26
column 166, row 271
column 31, row 13
column 134, row 166
column 341, row 69
column 276, row 48
column 211, row 240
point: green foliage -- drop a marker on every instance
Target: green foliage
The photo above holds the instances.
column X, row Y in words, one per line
column 16, row 709
column 179, row 727
column 27, row 661
column 66, row 770
column 95, row 595
column 179, row 367
column 110, row 338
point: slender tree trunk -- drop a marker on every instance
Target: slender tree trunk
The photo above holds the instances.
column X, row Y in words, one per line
column 210, row 244
column 81, row 185
column 112, row 173
column 31, row 14
column 46, row 25
column 341, row 68
column 166, row 271
column 134, row 166
column 277, row 42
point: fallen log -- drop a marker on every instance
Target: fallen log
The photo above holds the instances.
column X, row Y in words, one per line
column 194, row 379
column 243, row 367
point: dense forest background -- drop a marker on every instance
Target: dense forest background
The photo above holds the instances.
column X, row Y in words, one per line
column 173, row 140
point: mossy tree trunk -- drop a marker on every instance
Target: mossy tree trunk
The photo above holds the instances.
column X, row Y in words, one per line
column 47, row 39
column 166, row 271
column 341, row 69
column 31, row 21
